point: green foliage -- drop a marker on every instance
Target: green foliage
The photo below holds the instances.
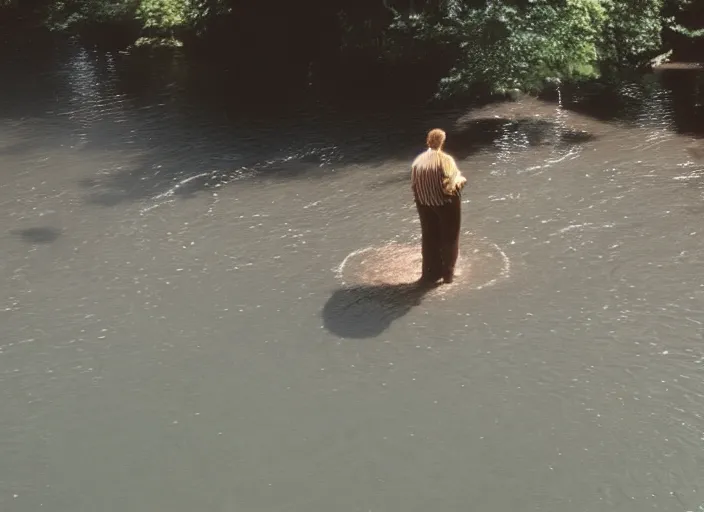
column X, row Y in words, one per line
column 687, row 32
column 494, row 45
column 504, row 46
column 692, row 15
column 72, row 15
column 202, row 14
column 160, row 17
column 162, row 14
column 632, row 30
column 157, row 42
column 152, row 18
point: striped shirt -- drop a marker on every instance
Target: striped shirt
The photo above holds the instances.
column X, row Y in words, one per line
column 434, row 177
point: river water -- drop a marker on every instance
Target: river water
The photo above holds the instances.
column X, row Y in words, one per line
column 207, row 309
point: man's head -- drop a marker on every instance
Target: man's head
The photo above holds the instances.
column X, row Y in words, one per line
column 436, row 138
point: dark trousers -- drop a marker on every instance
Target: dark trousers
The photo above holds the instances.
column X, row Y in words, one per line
column 440, row 229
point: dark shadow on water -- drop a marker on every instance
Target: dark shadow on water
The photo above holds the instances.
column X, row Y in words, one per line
column 674, row 96
column 168, row 122
column 43, row 235
column 481, row 133
column 18, row 148
column 365, row 311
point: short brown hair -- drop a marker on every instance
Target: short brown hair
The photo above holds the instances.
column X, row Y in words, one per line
column 436, row 138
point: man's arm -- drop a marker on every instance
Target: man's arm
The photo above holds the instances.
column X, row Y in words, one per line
column 458, row 179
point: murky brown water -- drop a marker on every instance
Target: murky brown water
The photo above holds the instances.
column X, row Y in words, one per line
column 207, row 310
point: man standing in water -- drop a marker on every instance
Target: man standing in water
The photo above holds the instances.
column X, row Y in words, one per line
column 436, row 182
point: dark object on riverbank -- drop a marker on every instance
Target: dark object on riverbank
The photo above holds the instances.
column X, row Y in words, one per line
column 685, row 66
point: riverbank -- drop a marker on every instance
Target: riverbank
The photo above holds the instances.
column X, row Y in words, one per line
column 366, row 51
column 680, row 66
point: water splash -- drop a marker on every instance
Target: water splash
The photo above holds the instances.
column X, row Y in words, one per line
column 482, row 264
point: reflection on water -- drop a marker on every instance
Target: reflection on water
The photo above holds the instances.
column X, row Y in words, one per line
column 175, row 310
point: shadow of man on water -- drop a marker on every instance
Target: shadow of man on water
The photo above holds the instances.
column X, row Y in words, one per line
column 365, row 311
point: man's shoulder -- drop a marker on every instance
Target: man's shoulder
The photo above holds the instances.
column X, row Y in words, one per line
column 450, row 158
column 417, row 159
column 421, row 160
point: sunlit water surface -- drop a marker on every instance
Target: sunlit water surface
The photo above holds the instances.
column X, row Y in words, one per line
column 202, row 310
